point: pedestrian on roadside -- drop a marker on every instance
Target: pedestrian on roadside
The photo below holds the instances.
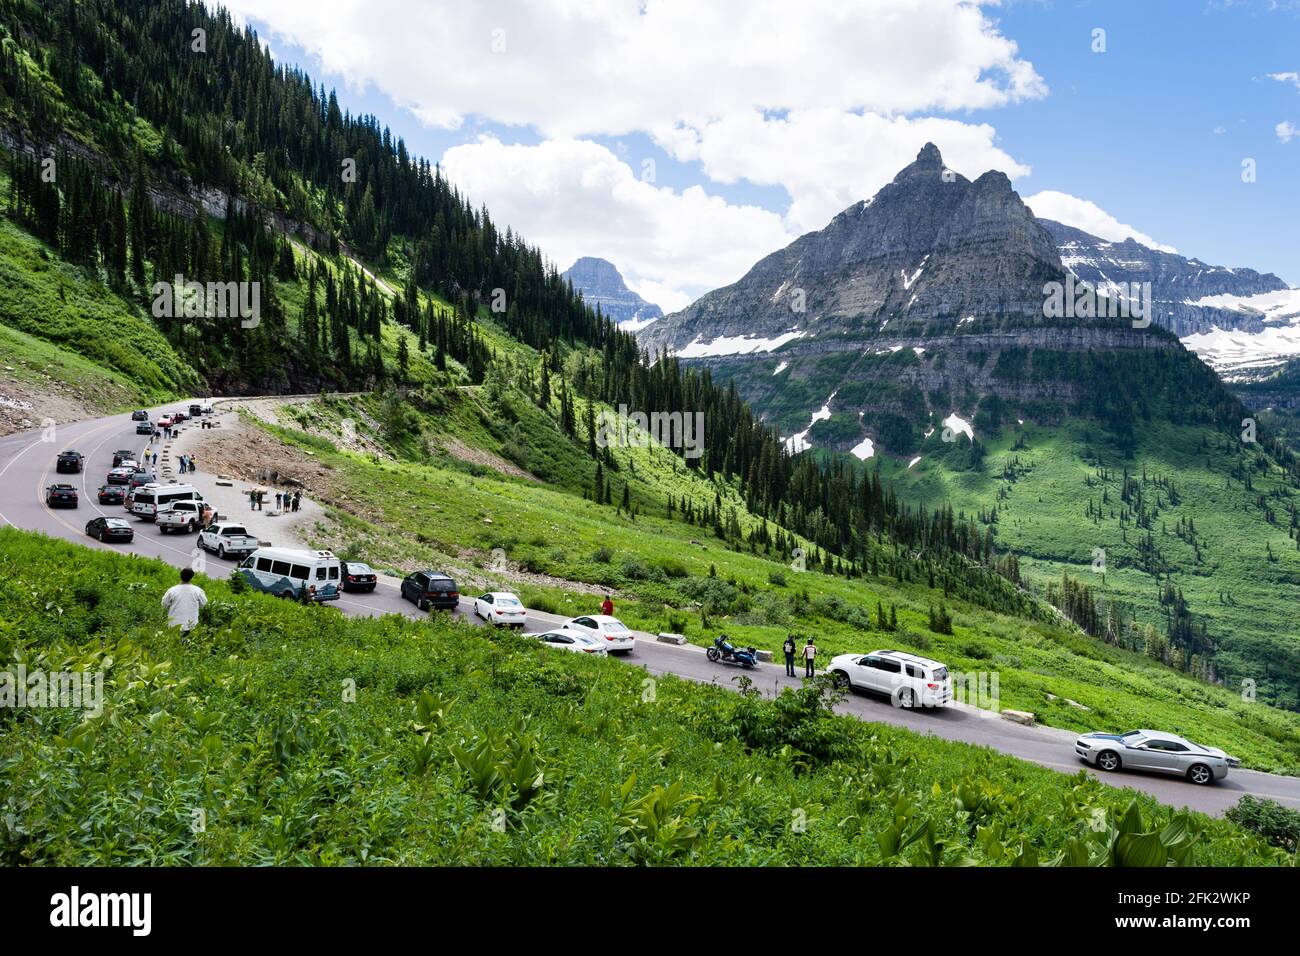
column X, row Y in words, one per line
column 181, row 460
column 607, row 607
column 261, row 493
column 189, row 463
column 279, row 501
column 183, row 601
column 297, row 498
column 809, row 658
column 789, row 649
column 155, row 459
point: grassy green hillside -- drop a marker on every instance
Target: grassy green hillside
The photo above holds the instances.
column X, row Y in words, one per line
column 1207, row 516
column 429, row 742
column 61, row 321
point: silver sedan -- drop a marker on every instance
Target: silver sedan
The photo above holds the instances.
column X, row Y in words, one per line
column 1156, row 751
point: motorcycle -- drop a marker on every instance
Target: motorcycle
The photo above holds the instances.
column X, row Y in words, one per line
column 726, row 652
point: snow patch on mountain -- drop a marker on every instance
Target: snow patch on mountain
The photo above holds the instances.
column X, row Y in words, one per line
column 736, row 345
column 799, row 442
column 958, row 425
column 863, row 449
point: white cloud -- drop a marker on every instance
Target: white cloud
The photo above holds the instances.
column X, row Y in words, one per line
column 818, row 97
column 574, row 197
column 1291, row 78
column 1286, row 131
column 828, row 159
column 1088, row 216
column 569, row 68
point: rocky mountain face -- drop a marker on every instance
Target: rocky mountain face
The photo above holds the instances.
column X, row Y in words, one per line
column 602, row 285
column 923, row 302
column 1180, row 286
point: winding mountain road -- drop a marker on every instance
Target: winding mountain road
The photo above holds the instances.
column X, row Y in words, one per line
column 27, row 467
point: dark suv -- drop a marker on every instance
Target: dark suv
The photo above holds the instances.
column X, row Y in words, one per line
column 69, row 461
column 140, row 415
column 431, row 589
column 61, row 496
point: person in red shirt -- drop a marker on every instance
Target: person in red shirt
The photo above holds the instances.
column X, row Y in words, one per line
column 607, row 607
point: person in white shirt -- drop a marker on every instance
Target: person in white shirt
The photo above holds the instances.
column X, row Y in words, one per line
column 183, row 601
column 809, row 657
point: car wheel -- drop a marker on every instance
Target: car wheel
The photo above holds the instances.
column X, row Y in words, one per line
column 221, row 551
column 422, row 604
column 287, row 595
column 905, row 698
column 1108, row 760
column 190, row 527
column 101, row 538
column 841, row 680
column 1201, row 774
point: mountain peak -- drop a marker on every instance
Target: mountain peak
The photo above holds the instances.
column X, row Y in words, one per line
column 929, row 156
column 602, row 284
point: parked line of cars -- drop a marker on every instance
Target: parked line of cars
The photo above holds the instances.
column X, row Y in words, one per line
column 908, row 680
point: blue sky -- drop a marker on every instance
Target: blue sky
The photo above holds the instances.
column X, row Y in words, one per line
column 685, row 143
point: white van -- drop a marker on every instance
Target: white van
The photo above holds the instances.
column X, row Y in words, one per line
column 289, row 573
column 149, row 498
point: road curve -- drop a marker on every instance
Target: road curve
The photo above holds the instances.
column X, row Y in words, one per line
column 27, row 468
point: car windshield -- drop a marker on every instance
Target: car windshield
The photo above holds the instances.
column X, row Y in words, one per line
column 359, row 568
column 116, row 523
column 508, row 602
column 615, row 626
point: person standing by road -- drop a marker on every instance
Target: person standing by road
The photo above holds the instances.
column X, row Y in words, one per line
column 279, row 501
column 183, row 601
column 789, row 649
column 809, row 658
column 607, row 607
column 297, row 497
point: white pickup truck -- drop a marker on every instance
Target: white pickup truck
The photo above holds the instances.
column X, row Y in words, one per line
column 186, row 516
column 227, row 540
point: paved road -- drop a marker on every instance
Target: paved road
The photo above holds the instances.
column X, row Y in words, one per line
column 27, row 468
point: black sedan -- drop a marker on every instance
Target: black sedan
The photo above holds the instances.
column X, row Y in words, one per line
column 122, row 455
column 110, row 529
column 358, row 576
column 121, row 475
column 112, row 494
column 139, row 415
column 69, row 462
column 61, row 496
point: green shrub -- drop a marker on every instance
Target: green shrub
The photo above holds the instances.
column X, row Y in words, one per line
column 1277, row 824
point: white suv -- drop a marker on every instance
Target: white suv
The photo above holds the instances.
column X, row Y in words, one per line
column 909, row 680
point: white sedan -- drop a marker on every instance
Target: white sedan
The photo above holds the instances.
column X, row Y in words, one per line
column 617, row 636
column 572, row 641
column 501, row 608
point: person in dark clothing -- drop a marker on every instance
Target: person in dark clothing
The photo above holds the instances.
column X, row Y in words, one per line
column 297, row 497
column 789, row 649
column 809, row 658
